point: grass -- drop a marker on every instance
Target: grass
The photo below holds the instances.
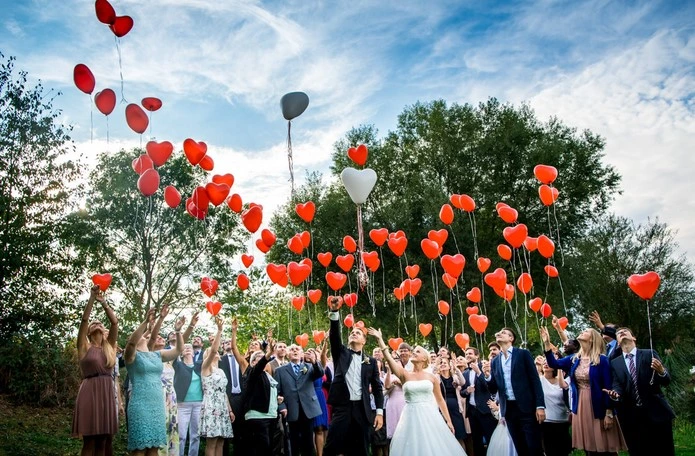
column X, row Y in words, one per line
column 37, row 431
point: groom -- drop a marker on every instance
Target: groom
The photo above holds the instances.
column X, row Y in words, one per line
column 354, row 374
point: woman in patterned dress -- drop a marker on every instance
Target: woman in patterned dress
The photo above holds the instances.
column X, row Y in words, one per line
column 216, row 415
column 146, row 413
column 96, row 416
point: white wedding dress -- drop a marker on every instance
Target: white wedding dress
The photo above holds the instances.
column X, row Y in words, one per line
column 422, row 430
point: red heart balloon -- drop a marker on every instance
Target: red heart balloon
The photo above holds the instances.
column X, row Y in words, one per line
column 350, row 299
column 474, row 295
column 305, row 237
column 295, row 244
column 302, row 339
column 545, row 174
column 508, row 214
column 314, row 295
column 467, row 203
column 247, row 260
column 524, row 282
column 84, row 78
column 336, row 280
column 242, row 281
column 546, row 247
column 194, row 210
column 298, row 273
column 548, row 195
column 142, row 164
column 535, row 304
column 412, row 270
column 563, row 322
column 268, row 237
column 472, row 310
column 200, row 198
column 397, row 245
column 455, row 201
column 483, row 264
column 531, row 243
column 148, row 183
column 349, row 321
column 478, row 323
column 224, row 179
column 172, row 196
column 504, row 252
column 298, row 302
column 306, row 211
column 207, row 163
column 449, row 280
column 217, row 193
column 644, row 285
column 453, row 264
column 496, row 279
column 121, row 26
column 446, row 214
column 102, row 280
column 213, row 307
column 443, row 307
column 349, row 244
column 277, row 273
column 152, row 104
column 345, row 262
column 136, row 118
column 235, row 204
column 371, row 259
column 159, row 152
column 425, row 329
column 358, row 154
column 415, row 285
column 399, row 293
column 379, row 236
column 515, row 235
column 260, row 245
column 395, row 342
column 195, row 151
column 462, row 340
column 105, row 101
column 546, row 310
column 439, row 236
column 252, row 218
column 325, row 258
column 318, row 336
column 429, row 248
column 551, row 271
column 105, row 12
column 208, row 286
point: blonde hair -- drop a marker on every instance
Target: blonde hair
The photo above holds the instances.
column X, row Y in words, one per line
column 596, row 348
column 424, row 363
column 107, row 349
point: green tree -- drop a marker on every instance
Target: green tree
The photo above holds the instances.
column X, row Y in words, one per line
column 488, row 152
column 37, row 190
column 155, row 254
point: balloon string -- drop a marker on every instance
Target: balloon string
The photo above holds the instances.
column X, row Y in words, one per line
column 107, row 131
column 91, row 119
column 557, row 230
column 120, row 68
column 362, row 270
column 458, row 298
column 474, row 233
column 290, row 160
column 651, row 346
column 453, row 235
column 383, row 275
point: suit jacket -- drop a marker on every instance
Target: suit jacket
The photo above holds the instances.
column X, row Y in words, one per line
column 339, row 394
column 599, row 379
column 226, row 367
column 256, row 395
column 651, row 395
column 481, row 393
column 182, row 377
column 298, row 389
column 528, row 392
column 616, row 352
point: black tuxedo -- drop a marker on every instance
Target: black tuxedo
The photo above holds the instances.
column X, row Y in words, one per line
column 647, row 428
column 520, row 413
column 236, row 401
column 479, row 415
column 348, row 433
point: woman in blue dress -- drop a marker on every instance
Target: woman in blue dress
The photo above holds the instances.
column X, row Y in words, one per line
column 146, row 414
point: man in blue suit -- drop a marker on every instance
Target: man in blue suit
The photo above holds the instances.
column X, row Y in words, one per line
column 514, row 375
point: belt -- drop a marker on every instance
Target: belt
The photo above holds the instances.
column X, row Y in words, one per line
column 97, row 375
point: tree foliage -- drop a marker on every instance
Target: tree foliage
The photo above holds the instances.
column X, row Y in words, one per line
column 488, row 152
column 37, row 171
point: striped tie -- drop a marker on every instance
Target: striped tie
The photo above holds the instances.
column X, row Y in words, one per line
column 633, row 374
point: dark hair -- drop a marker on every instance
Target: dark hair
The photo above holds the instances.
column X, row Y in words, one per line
column 404, row 345
column 571, row 347
column 511, row 331
column 475, row 350
column 625, row 328
column 493, row 344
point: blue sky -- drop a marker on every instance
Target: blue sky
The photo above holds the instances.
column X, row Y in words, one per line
column 624, row 69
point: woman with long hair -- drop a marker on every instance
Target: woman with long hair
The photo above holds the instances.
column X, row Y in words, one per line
column 146, row 411
column 216, row 415
column 96, row 414
column 594, row 428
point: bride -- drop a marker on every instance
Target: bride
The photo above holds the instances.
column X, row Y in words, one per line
column 422, row 429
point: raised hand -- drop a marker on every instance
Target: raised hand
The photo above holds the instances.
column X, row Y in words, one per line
column 149, row 316
column 235, row 324
column 94, row 291
column 334, row 303
column 219, row 322
column 179, row 323
column 545, row 337
column 164, row 311
column 595, row 318
column 194, row 319
column 376, row 333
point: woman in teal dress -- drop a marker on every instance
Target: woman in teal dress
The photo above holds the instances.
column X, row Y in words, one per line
column 146, row 414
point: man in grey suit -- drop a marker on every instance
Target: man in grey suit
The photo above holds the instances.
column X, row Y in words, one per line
column 300, row 404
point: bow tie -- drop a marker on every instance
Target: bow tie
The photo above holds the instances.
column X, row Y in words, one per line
column 358, row 353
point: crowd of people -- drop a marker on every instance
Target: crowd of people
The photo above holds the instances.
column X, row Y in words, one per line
column 598, row 393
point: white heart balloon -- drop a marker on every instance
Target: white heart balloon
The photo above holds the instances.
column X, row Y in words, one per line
column 358, row 183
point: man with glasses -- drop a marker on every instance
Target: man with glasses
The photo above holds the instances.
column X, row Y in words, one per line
column 522, row 404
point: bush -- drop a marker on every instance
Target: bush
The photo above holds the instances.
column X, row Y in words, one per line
column 35, row 371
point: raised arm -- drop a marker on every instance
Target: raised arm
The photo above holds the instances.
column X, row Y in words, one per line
column 163, row 312
column 324, row 354
column 82, row 342
column 189, row 330
column 207, row 363
column 334, row 304
column 395, row 365
column 243, row 362
column 113, row 329
column 132, row 343
column 560, row 331
column 172, row 353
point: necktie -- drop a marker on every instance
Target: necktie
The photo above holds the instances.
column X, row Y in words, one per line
column 235, row 379
column 633, row 374
column 296, row 369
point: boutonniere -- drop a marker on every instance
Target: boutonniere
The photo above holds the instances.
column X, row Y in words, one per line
column 303, row 370
column 365, row 359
